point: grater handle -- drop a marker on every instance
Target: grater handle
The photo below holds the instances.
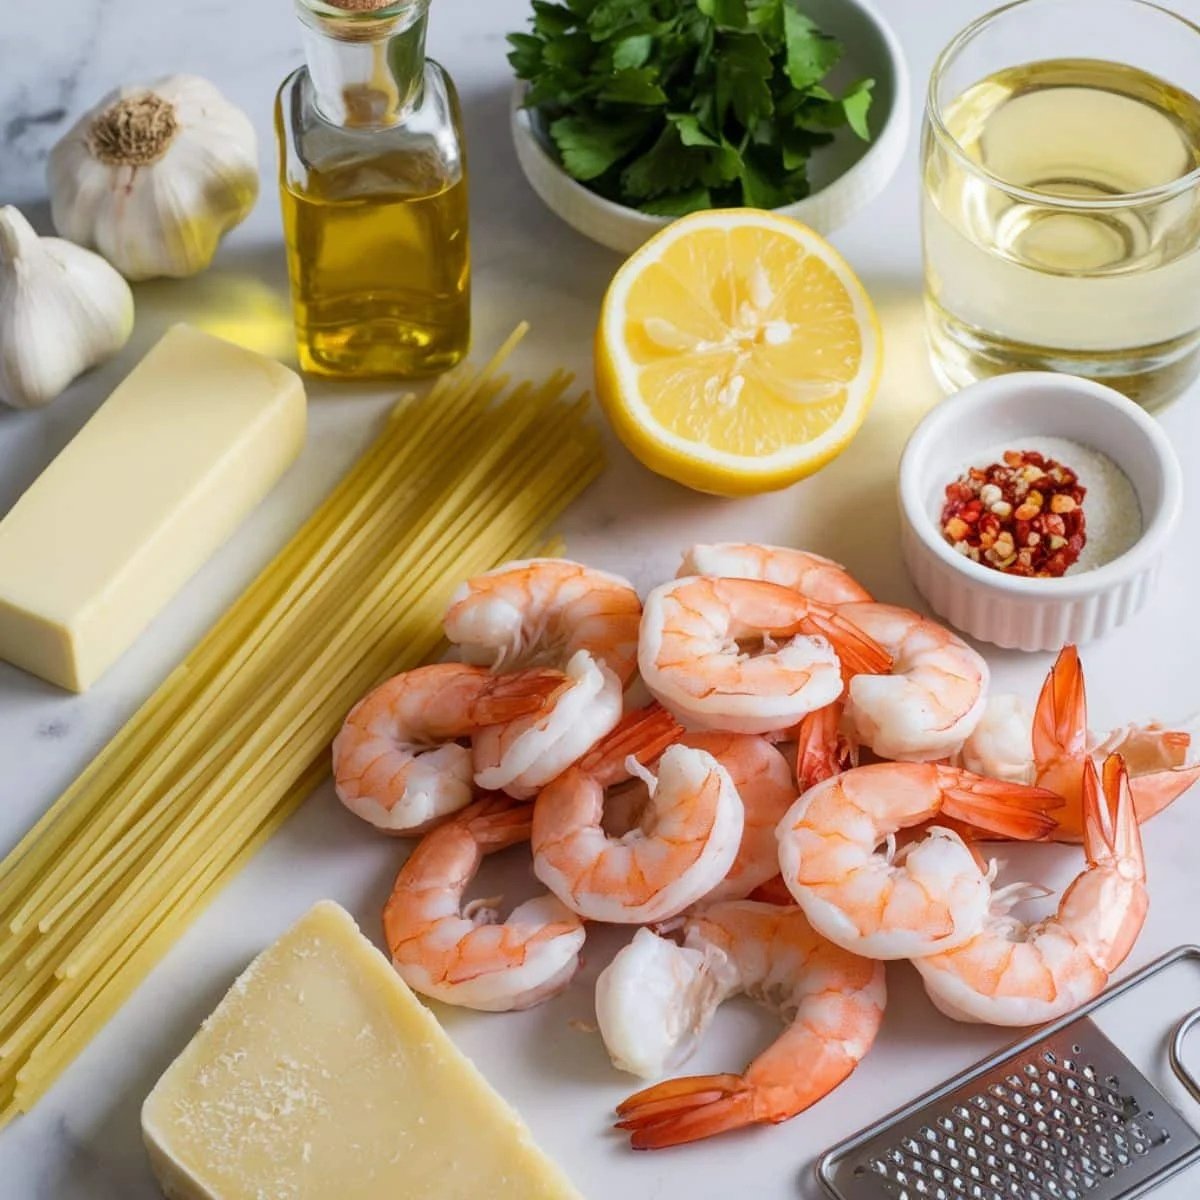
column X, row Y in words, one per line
column 1185, row 1076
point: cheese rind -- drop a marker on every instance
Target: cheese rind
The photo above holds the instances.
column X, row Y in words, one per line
column 168, row 467
column 320, row 1075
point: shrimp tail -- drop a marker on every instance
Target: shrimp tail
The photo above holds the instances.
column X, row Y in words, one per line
column 1157, row 790
column 1012, row 810
column 504, row 698
column 686, row 1110
column 858, row 653
column 1060, row 718
column 642, row 734
column 496, row 821
column 1111, row 835
column 821, row 752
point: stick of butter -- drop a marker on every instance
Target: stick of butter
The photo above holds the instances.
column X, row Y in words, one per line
column 193, row 438
column 320, row 1076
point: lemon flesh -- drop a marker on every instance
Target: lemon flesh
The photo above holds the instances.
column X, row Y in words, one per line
column 736, row 352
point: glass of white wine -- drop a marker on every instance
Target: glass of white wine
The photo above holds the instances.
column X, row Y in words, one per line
column 1061, row 196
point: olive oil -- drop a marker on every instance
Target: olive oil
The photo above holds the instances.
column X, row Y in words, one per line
column 1055, row 233
column 382, row 280
column 373, row 187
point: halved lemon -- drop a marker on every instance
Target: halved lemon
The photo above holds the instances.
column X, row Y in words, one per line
column 736, row 352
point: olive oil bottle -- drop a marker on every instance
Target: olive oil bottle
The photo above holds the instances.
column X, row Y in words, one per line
column 373, row 184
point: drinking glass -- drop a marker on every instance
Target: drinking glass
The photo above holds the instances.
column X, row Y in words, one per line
column 1061, row 196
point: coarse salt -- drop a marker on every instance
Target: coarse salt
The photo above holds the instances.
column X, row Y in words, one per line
column 1111, row 510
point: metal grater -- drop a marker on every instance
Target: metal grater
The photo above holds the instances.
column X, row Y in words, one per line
column 1063, row 1115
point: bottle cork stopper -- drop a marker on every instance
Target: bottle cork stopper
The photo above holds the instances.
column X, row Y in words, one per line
column 360, row 5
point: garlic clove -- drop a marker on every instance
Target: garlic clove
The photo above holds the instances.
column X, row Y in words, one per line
column 63, row 310
column 153, row 177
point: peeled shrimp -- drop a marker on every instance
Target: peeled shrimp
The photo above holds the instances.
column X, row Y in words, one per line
column 933, row 698
column 682, row 848
column 397, row 762
column 523, row 755
column 1051, row 746
column 933, row 895
column 463, row 954
column 541, row 611
column 656, row 998
column 1017, row 974
column 811, row 575
column 763, row 781
column 557, row 613
column 746, row 656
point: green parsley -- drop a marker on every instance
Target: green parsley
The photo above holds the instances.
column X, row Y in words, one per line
column 676, row 105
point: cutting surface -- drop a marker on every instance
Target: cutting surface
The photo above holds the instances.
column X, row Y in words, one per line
column 83, row 1142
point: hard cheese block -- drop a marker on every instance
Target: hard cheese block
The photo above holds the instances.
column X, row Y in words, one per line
column 183, row 449
column 320, row 1076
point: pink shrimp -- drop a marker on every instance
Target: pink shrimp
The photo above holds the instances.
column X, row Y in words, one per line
column 463, row 954
column 398, row 762
column 683, row 846
column 831, row 1001
column 1017, row 974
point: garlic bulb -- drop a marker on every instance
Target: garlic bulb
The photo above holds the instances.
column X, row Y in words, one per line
column 152, row 177
column 63, row 309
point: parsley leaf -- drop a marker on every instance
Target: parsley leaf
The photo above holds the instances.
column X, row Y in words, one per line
column 725, row 14
column 632, row 51
column 590, row 146
column 675, row 105
column 856, row 103
column 811, row 54
column 743, row 67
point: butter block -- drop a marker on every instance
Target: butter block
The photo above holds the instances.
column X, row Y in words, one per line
column 320, row 1076
column 173, row 461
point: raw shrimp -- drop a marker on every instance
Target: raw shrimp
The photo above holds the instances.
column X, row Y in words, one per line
column 1017, row 974
column 396, row 761
column 541, row 611
column 934, row 697
column 818, row 578
column 656, row 998
column 1051, row 747
column 683, row 847
column 746, row 656
column 522, row 756
column 931, row 896
column 463, row 954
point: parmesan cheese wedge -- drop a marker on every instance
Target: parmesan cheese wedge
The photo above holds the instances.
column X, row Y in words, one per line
column 320, row 1076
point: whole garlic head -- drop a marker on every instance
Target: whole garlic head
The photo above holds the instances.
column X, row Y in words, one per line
column 63, row 309
column 153, row 177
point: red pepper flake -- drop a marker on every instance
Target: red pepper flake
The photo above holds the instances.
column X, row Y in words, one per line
column 1022, row 516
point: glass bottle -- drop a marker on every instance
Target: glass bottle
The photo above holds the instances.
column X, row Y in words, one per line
column 373, row 184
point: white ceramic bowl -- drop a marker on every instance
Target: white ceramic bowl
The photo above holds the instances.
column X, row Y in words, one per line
column 846, row 175
column 1035, row 614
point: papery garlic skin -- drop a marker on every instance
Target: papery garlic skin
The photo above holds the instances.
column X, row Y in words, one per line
column 63, row 310
column 154, row 176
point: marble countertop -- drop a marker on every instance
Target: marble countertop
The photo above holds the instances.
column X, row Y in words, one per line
column 82, row 1142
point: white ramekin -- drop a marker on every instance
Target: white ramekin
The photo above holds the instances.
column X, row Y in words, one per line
column 846, row 175
column 1035, row 614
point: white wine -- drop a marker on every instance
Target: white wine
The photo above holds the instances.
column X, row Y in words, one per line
column 1054, row 237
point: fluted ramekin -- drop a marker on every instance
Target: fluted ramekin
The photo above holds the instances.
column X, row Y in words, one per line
column 1035, row 614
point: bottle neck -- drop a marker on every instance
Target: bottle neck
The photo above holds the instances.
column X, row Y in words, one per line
column 367, row 67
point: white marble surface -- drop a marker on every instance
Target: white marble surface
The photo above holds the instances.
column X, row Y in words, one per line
column 82, row 1141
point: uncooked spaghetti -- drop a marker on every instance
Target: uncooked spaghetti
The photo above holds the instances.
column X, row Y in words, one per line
column 237, row 735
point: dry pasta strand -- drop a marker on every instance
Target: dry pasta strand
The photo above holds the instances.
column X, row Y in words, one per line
column 237, row 735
